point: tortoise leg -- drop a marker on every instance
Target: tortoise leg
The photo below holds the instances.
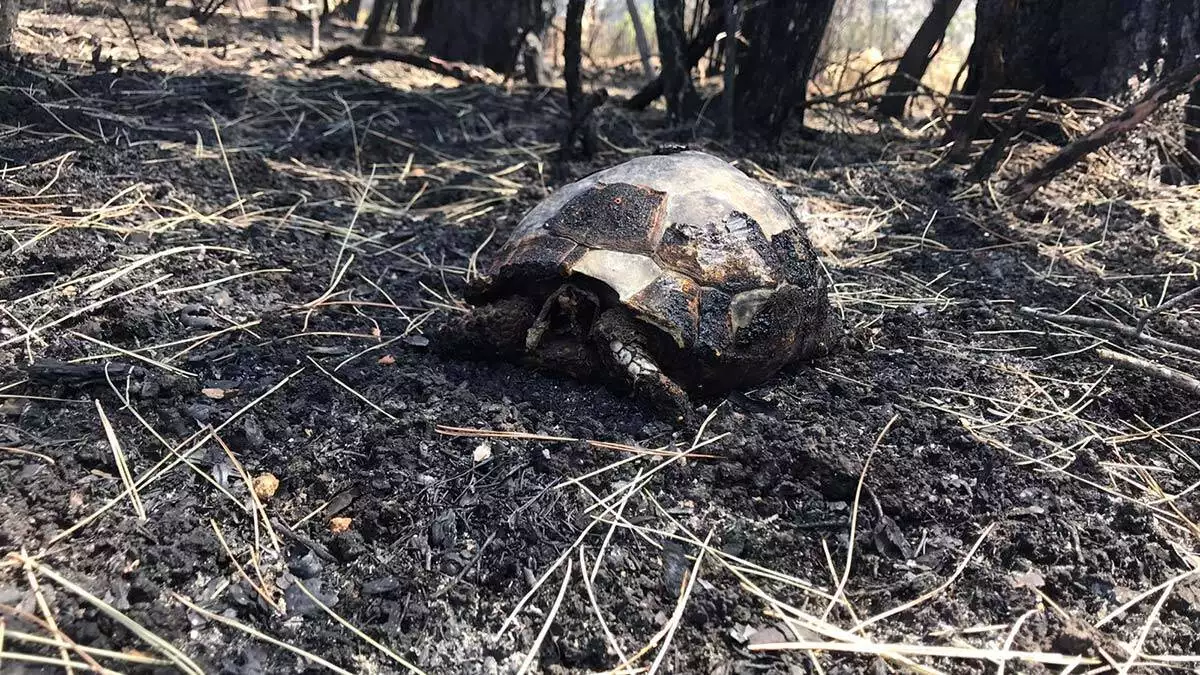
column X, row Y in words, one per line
column 621, row 344
column 496, row 330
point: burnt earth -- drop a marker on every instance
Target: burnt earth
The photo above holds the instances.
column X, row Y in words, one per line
column 1021, row 469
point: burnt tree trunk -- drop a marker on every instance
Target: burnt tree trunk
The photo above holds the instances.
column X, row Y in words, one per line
column 672, row 50
column 405, row 16
column 695, row 51
column 782, row 37
column 484, row 32
column 728, row 100
column 916, row 58
column 581, row 129
column 1104, row 49
column 377, row 22
column 639, row 33
column 572, row 54
column 351, row 9
column 8, row 25
column 991, row 36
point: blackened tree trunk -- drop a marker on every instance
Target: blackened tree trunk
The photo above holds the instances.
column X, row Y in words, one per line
column 1104, row 49
column 484, row 32
column 783, row 37
column 1093, row 47
column 728, row 100
column 695, row 51
column 581, row 128
column 916, row 58
column 377, row 23
column 639, row 33
column 8, row 25
column 672, row 49
column 572, row 54
column 406, row 16
column 989, row 47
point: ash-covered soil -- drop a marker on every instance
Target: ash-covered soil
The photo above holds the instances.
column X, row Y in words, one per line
column 258, row 301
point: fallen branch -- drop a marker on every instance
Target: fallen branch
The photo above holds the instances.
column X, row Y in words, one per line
column 1115, row 326
column 986, row 165
column 1173, row 84
column 459, row 71
column 1157, row 370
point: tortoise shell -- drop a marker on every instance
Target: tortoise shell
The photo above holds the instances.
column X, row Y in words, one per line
column 686, row 241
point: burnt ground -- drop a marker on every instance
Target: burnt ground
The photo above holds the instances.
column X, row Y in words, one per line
column 262, row 302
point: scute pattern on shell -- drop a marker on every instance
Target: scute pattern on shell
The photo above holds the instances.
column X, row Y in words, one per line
column 685, row 240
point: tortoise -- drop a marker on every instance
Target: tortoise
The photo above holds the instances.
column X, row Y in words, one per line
column 669, row 274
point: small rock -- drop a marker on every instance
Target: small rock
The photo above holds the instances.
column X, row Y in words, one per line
column 339, row 524
column 1030, row 579
column 768, row 635
column 265, row 486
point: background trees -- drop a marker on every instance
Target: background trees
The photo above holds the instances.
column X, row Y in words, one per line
column 8, row 23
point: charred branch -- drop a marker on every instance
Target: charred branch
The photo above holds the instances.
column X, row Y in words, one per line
column 1172, row 85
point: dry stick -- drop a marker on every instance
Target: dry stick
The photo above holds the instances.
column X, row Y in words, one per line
column 132, row 35
column 30, row 638
column 1116, row 326
column 1173, row 84
column 608, row 635
column 45, row 609
column 1173, row 302
column 122, row 464
column 1138, row 365
column 1136, row 650
column 161, row 469
column 83, row 310
column 886, row 649
column 933, row 592
column 228, row 169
